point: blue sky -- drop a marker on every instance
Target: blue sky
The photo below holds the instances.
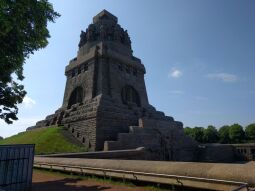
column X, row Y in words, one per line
column 199, row 57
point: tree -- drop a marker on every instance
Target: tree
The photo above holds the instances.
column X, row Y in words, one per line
column 250, row 131
column 236, row 133
column 198, row 134
column 188, row 131
column 1, row 138
column 23, row 30
column 224, row 134
column 211, row 134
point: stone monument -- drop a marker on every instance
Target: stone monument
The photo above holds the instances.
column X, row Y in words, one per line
column 105, row 103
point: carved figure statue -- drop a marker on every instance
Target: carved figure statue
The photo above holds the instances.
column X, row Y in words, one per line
column 90, row 33
column 83, row 39
column 102, row 32
column 116, row 34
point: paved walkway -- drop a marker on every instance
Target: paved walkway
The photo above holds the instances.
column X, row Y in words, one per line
column 45, row 181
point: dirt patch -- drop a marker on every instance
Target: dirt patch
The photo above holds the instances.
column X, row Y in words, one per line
column 45, row 181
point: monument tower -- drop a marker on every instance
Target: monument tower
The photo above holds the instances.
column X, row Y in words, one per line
column 105, row 103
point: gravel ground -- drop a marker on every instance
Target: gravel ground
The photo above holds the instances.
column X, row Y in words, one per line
column 45, row 181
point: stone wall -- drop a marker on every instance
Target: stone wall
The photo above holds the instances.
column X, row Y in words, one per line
column 81, row 76
column 164, row 140
column 216, row 153
column 86, row 136
column 123, row 74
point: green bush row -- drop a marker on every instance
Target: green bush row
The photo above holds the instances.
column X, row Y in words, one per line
column 226, row 134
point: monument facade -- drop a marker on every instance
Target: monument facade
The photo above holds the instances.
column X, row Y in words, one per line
column 105, row 103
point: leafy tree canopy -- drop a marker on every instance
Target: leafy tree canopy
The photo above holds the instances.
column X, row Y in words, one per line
column 1, row 138
column 23, row 30
column 211, row 134
column 198, row 134
column 188, row 131
column 236, row 133
column 224, row 134
column 250, row 131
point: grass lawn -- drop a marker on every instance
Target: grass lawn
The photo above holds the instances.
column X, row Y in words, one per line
column 47, row 140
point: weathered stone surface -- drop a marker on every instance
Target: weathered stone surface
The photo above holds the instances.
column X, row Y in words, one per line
column 105, row 97
column 216, row 153
column 165, row 138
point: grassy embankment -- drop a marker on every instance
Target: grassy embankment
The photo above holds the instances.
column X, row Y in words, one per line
column 47, row 140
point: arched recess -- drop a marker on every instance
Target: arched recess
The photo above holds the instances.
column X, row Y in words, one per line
column 130, row 95
column 76, row 96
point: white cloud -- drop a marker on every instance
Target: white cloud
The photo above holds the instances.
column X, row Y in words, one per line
column 177, row 92
column 225, row 77
column 175, row 73
column 28, row 102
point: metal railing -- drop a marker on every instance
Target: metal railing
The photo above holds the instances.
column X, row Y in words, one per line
column 146, row 176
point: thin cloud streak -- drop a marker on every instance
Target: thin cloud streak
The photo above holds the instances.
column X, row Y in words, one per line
column 176, row 92
column 224, row 77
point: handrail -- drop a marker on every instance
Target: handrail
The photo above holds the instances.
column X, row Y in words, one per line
column 135, row 173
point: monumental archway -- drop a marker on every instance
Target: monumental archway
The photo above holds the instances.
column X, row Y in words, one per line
column 76, row 96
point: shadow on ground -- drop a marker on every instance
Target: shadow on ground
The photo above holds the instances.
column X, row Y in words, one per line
column 66, row 184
